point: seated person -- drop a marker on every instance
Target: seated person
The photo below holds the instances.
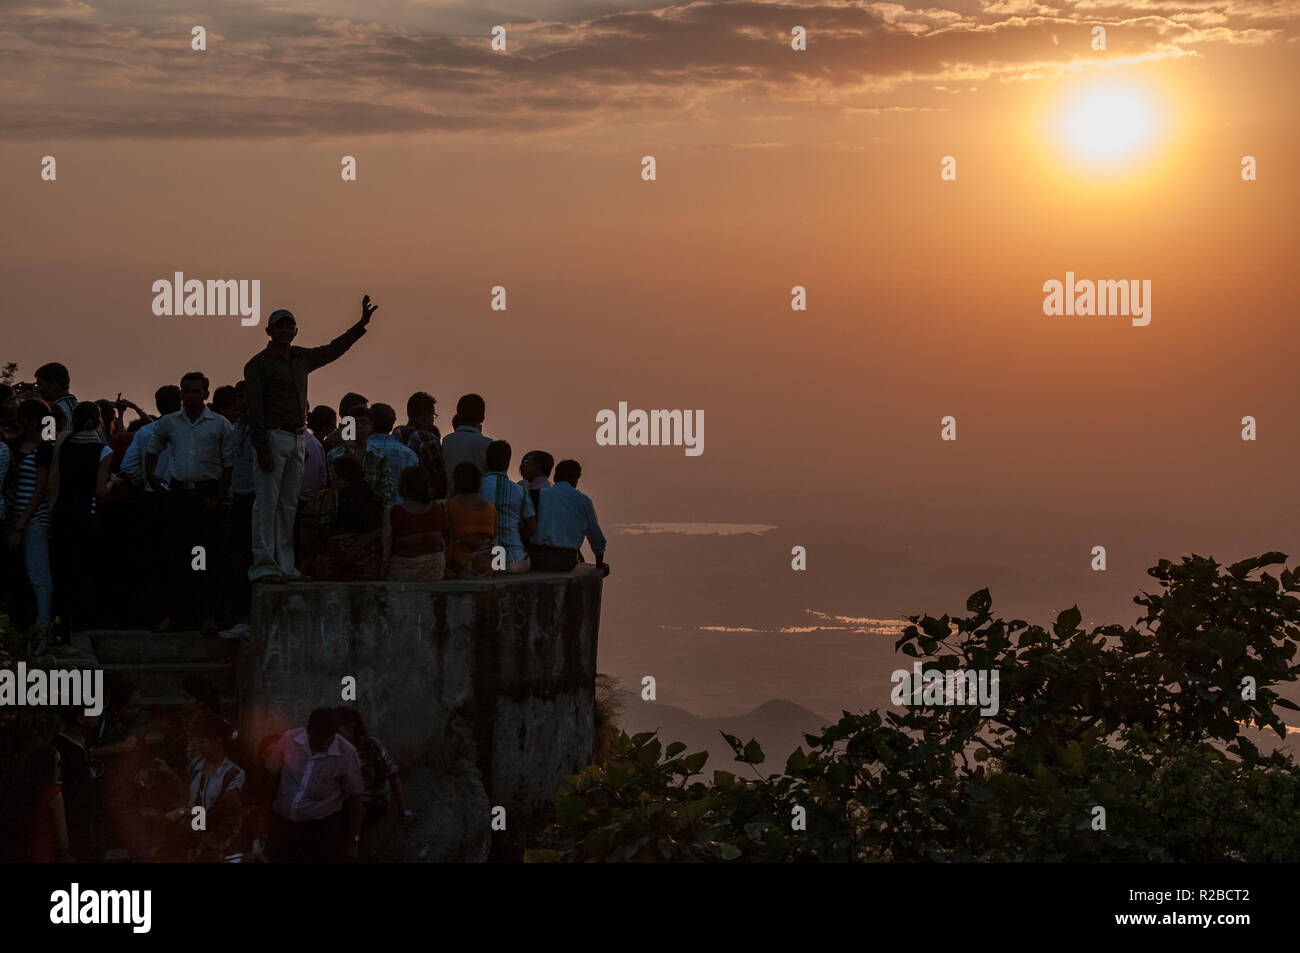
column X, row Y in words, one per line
column 471, row 524
column 566, row 517
column 350, row 517
column 417, row 545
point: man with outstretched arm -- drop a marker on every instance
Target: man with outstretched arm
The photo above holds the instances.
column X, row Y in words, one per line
column 277, row 415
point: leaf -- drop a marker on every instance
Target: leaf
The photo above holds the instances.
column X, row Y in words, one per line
column 676, row 748
column 1068, row 621
column 979, row 602
column 725, row 851
column 694, row 762
column 753, row 753
column 796, row 762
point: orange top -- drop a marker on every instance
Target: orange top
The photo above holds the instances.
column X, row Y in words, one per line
column 465, row 531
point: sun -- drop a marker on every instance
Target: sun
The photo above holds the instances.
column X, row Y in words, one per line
column 1107, row 125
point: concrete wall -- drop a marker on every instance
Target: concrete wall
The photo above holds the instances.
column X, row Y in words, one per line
column 513, row 656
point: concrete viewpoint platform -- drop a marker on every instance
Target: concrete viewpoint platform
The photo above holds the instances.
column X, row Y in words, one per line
column 511, row 659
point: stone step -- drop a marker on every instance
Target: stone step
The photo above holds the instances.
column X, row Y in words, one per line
column 163, row 679
column 134, row 645
column 165, row 702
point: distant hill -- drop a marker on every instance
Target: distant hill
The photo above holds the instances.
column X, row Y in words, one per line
column 779, row 726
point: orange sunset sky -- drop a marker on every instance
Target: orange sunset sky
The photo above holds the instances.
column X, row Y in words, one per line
column 775, row 168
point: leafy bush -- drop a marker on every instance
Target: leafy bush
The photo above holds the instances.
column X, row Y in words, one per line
column 1144, row 722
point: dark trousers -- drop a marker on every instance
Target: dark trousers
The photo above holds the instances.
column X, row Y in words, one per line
column 194, row 519
column 144, row 548
column 75, row 566
column 552, row 559
column 307, row 842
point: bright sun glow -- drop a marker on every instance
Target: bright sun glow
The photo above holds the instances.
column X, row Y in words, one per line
column 1107, row 125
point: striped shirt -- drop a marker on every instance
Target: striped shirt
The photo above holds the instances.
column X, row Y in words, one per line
column 513, row 505
column 67, row 403
column 27, row 464
column 4, row 472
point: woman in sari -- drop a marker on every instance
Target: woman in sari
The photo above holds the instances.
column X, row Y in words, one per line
column 471, row 524
column 417, row 522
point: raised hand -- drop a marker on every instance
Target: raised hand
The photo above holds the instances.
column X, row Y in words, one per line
column 367, row 309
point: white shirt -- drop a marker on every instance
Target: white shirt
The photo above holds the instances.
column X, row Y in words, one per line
column 202, row 449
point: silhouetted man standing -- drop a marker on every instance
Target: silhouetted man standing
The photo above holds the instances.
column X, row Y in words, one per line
column 277, row 413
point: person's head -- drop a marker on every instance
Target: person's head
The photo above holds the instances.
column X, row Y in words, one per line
column 125, row 699
column 197, row 693
column 536, row 463
column 281, row 327
column 364, row 426
column 108, row 417
column 167, row 399
column 322, row 725
column 348, row 472
column 420, row 410
column 350, row 400
column 208, row 736
column 241, row 396
column 75, row 721
column 383, row 417
column 568, row 471
column 466, row 478
column 350, row 724
column 498, row 456
column 413, row 484
column 31, row 416
column 471, row 409
column 52, row 381
column 85, row 416
column 225, row 403
column 322, row 420
column 456, row 421
column 194, row 391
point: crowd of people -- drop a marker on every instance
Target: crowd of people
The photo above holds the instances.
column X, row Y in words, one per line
column 246, row 483
column 185, row 787
column 168, row 520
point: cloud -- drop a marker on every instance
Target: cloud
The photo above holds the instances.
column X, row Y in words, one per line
column 71, row 69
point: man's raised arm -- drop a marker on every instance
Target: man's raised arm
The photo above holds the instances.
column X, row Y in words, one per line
column 320, row 356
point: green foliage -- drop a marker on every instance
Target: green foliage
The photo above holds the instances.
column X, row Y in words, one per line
column 1143, row 721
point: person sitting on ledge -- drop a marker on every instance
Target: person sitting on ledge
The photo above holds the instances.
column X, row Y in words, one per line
column 566, row 517
column 471, row 525
column 535, row 468
column 348, row 520
column 417, row 553
column 516, row 519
